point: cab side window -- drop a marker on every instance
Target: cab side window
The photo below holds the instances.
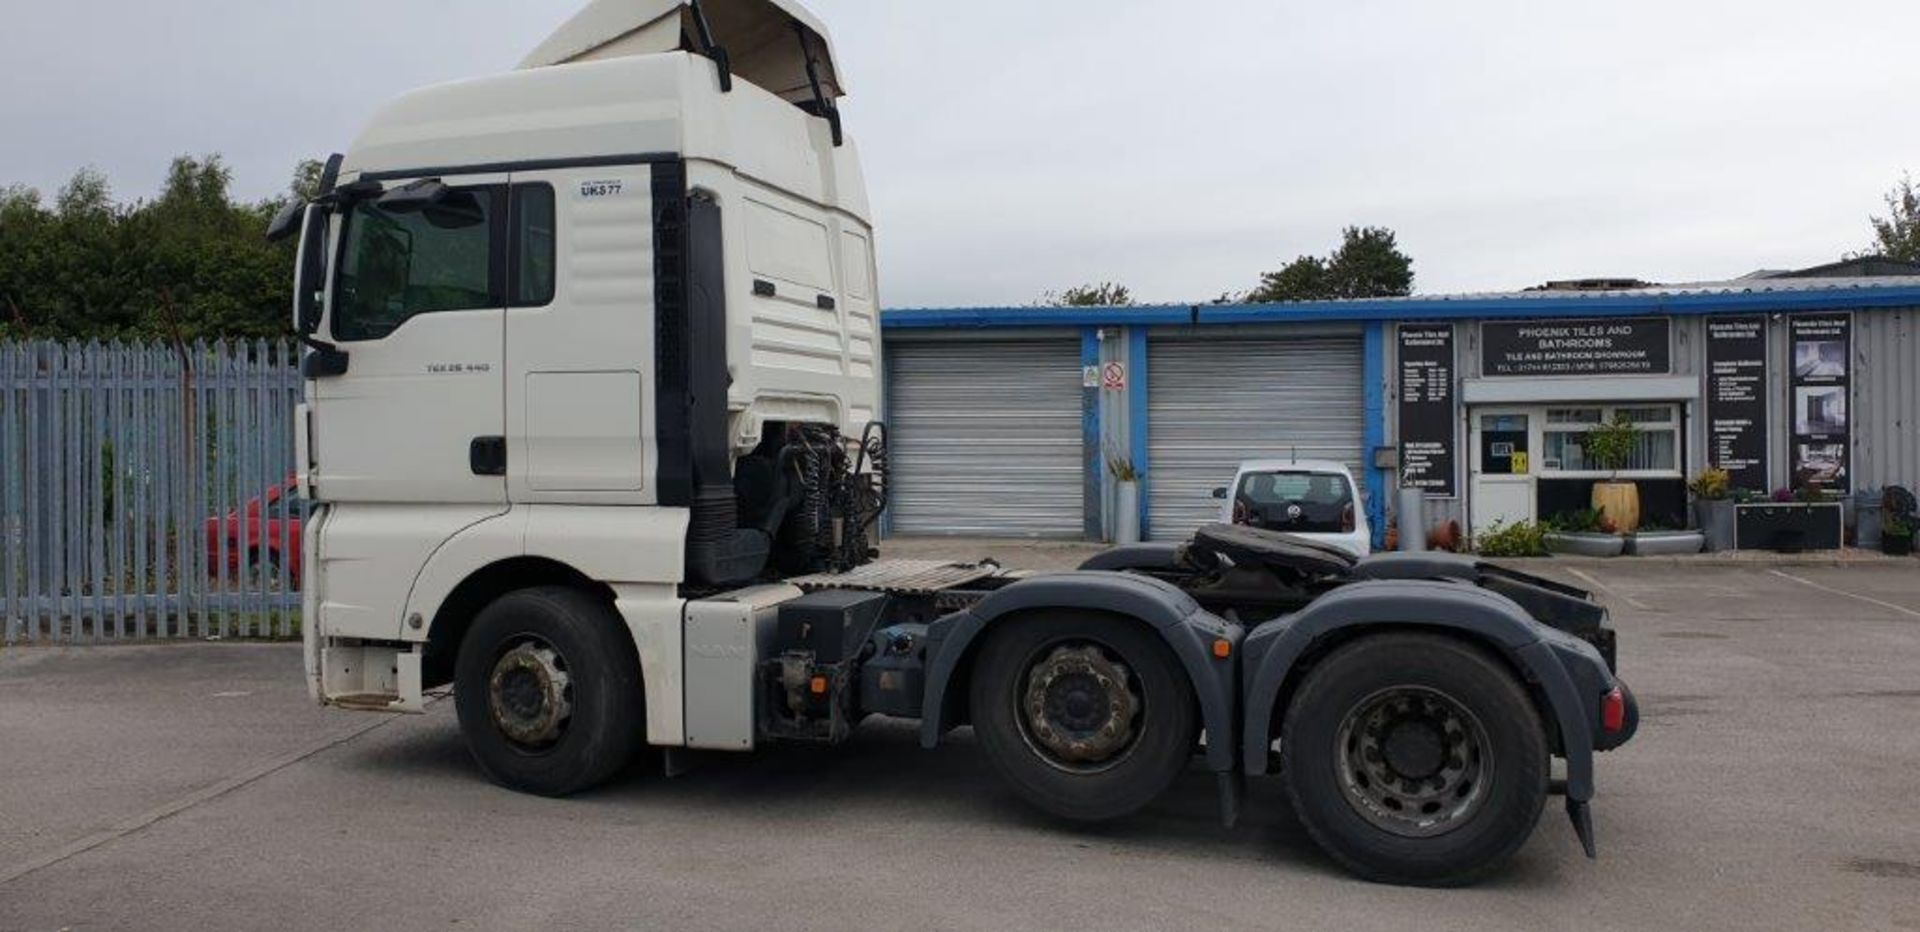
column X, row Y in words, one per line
column 394, row 266
column 533, row 245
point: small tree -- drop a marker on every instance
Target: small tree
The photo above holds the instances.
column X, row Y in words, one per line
column 1102, row 294
column 1897, row 235
column 1368, row 264
column 1612, row 445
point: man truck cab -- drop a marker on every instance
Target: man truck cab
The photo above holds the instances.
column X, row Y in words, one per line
column 592, row 430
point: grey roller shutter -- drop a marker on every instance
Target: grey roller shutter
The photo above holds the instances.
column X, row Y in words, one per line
column 1214, row 402
column 985, row 437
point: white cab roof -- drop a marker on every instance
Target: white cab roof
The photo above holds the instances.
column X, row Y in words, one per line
column 758, row 35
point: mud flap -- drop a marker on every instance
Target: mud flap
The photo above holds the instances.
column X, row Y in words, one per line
column 1233, row 790
column 1582, row 815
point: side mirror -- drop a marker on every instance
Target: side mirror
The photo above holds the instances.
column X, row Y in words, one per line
column 286, row 222
column 1220, row 492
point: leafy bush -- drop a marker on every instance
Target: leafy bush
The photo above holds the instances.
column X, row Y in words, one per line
column 1896, row 526
column 1612, row 445
column 1578, row 521
column 1520, row 539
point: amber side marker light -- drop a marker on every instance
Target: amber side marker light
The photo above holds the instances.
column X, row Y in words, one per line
column 818, row 685
column 1222, row 648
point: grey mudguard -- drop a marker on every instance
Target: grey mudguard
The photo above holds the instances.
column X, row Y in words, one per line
column 1187, row 628
column 1426, row 564
column 1272, row 651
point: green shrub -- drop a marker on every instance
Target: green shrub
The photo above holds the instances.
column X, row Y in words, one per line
column 1577, row 521
column 1612, row 445
column 1520, row 539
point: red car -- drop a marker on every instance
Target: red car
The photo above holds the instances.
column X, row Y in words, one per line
column 270, row 541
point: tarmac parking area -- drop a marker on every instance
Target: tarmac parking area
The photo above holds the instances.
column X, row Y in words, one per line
column 1772, row 785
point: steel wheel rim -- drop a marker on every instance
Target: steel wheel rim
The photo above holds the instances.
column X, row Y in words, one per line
column 530, row 694
column 1079, row 707
column 1413, row 761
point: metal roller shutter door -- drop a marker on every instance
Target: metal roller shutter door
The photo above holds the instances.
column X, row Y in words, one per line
column 985, row 437
column 1213, row 403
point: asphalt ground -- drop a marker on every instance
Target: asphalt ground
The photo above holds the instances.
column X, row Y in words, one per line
column 191, row 786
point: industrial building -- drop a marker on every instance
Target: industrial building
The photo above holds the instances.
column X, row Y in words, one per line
column 1005, row 420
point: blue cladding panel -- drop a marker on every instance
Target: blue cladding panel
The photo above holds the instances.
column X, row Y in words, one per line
column 1520, row 304
column 1374, row 434
column 1137, row 419
column 1095, row 482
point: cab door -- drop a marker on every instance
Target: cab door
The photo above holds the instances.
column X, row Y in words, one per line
column 412, row 410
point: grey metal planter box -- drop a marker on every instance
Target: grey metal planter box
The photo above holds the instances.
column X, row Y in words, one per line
column 1664, row 543
column 1585, row 544
column 1789, row 527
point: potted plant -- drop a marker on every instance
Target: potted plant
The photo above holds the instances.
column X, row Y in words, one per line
column 1611, row 446
column 1126, row 504
column 1713, row 507
column 1896, row 535
column 1584, row 533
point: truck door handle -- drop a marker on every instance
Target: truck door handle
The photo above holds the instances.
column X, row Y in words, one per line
column 487, row 456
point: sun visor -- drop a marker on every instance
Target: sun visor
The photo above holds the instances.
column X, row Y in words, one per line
column 760, row 38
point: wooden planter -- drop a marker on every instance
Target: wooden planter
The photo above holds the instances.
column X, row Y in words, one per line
column 1619, row 501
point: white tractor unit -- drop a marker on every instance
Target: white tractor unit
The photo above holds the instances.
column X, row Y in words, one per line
column 592, row 434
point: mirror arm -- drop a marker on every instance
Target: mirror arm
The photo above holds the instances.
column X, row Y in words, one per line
column 712, row 49
column 828, row 109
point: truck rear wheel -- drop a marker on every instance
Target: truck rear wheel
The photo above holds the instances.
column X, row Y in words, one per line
column 1086, row 717
column 1415, row 759
column 548, row 691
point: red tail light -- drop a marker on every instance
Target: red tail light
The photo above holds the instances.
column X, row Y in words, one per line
column 1613, row 711
column 1346, row 517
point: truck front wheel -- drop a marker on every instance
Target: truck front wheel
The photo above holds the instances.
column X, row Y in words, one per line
column 1415, row 759
column 548, row 694
column 1086, row 717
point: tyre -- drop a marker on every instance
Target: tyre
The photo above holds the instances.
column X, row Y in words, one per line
column 1087, row 717
column 548, row 691
column 1415, row 759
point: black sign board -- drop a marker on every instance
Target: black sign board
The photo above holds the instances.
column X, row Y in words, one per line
column 1820, row 350
column 1616, row 346
column 1426, row 409
column 1737, row 399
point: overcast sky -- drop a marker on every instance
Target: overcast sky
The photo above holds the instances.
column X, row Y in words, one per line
column 1015, row 146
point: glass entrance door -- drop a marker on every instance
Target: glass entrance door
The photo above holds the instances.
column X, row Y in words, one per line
column 1503, row 469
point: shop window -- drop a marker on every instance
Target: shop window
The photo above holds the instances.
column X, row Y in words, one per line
column 1658, row 449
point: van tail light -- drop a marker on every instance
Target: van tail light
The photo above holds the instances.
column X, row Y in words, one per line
column 1239, row 512
column 1346, row 517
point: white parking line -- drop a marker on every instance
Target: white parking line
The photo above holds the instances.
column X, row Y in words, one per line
column 1851, row 595
column 1603, row 587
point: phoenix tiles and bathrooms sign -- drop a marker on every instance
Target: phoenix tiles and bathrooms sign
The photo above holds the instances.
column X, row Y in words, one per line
column 1629, row 346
